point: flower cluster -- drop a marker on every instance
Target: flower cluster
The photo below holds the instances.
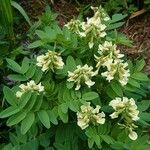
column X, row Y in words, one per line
column 117, row 70
column 51, row 60
column 75, row 26
column 94, row 27
column 110, row 57
column 31, row 86
column 107, row 53
column 127, row 110
column 82, row 75
column 89, row 115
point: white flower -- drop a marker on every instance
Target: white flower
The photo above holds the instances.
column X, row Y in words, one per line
column 31, row 86
column 19, row 94
column 114, row 115
column 40, row 87
column 51, row 60
column 107, row 51
column 23, row 87
column 89, row 115
column 100, row 12
column 82, row 75
column 92, row 28
column 91, row 44
column 128, row 112
column 117, row 102
column 133, row 135
column 126, row 106
column 75, row 26
column 106, row 19
column 117, row 70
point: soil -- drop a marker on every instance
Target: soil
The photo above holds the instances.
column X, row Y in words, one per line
column 138, row 30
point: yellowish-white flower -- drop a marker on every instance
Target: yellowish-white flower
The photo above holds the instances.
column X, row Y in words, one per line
column 125, row 106
column 89, row 115
column 30, row 86
column 107, row 53
column 117, row 70
column 75, row 26
column 111, row 49
column 127, row 110
column 132, row 135
column 19, row 94
column 100, row 12
column 82, row 75
column 51, row 60
column 92, row 28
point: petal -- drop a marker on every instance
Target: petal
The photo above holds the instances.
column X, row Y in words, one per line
column 133, row 135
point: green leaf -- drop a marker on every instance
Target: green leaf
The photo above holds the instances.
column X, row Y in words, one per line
column 117, row 88
column 63, row 116
column 104, row 128
column 140, row 76
column 130, row 66
column 134, row 83
column 36, row 44
column 44, row 140
column 9, row 111
column 145, row 116
column 69, row 85
column 44, row 118
column 117, row 17
column 41, row 34
column 70, row 63
column 21, row 10
column 37, row 75
column 53, row 117
column 130, row 88
column 15, row 119
column 59, row 146
column 32, row 101
column 16, row 147
column 27, row 122
column 73, row 105
column 66, row 95
column 6, row 20
column 51, row 33
column 108, row 139
column 24, row 99
column 97, row 140
column 25, row 65
column 31, row 71
column 9, row 95
column 38, row 103
column 90, row 96
column 139, row 65
column 64, row 107
column 13, row 65
column 90, row 142
column 118, row 146
column 33, row 144
column 17, row 77
column 66, row 33
column 143, row 105
column 115, row 25
column 8, row 147
column 110, row 92
column 91, row 132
